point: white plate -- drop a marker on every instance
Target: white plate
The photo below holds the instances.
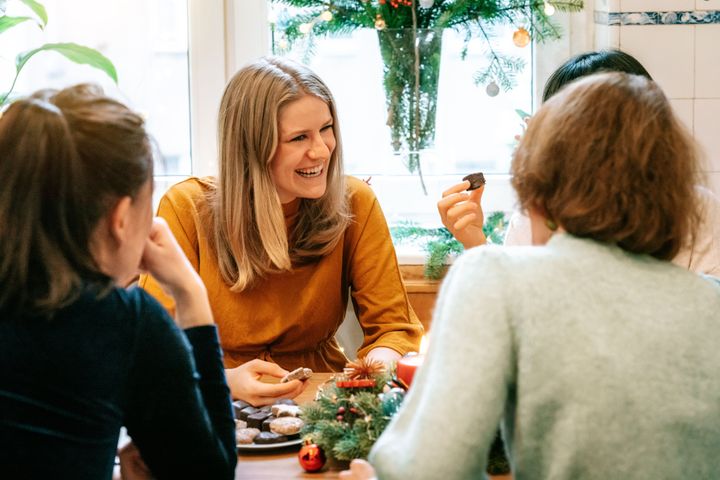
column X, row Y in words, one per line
column 254, row 447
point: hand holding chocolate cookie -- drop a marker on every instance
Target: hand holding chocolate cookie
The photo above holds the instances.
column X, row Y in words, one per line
column 297, row 374
column 461, row 212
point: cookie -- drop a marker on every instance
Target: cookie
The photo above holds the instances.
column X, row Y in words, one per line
column 238, row 406
column 266, row 423
column 285, row 401
column 297, row 374
column 256, row 419
column 240, row 424
column 476, row 180
column 286, row 410
column 269, row 437
column 286, row 425
column 247, row 411
column 246, row 435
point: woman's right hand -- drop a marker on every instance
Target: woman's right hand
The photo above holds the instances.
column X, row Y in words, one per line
column 166, row 262
column 462, row 214
column 244, row 382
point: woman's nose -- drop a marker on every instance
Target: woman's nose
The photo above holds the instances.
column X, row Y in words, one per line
column 318, row 148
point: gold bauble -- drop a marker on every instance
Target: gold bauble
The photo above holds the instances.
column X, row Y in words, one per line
column 521, row 37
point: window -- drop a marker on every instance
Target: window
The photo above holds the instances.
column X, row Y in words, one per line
column 147, row 40
column 474, row 132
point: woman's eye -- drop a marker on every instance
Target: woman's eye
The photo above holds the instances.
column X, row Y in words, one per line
column 299, row 138
column 326, row 127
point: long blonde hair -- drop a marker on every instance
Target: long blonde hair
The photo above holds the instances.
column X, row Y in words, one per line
column 607, row 159
column 248, row 229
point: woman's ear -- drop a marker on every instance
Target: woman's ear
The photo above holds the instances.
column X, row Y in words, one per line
column 119, row 219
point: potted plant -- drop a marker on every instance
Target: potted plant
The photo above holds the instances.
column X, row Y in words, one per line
column 72, row 51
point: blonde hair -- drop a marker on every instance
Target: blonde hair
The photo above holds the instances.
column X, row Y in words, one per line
column 607, row 159
column 248, row 229
column 67, row 156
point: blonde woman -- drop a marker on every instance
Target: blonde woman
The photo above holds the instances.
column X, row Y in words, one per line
column 282, row 238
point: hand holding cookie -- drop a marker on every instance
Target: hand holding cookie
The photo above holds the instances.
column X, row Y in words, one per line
column 461, row 212
column 245, row 384
column 297, row 374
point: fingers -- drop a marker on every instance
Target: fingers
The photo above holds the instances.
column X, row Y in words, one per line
column 465, row 221
column 266, row 368
column 449, row 202
column 457, row 188
column 461, row 210
column 476, row 195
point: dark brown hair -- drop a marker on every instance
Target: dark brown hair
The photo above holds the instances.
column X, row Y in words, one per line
column 67, row 157
column 607, row 159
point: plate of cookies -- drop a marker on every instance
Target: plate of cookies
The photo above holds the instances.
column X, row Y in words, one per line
column 269, row 427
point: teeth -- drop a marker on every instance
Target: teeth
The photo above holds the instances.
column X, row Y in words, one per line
column 310, row 172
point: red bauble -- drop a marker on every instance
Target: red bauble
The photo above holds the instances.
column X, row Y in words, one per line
column 311, row 457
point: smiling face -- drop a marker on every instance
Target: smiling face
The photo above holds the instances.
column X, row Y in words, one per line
column 306, row 141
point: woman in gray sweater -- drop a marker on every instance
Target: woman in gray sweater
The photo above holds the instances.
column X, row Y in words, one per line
column 596, row 355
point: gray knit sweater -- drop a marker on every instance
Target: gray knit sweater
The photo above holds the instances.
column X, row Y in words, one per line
column 599, row 363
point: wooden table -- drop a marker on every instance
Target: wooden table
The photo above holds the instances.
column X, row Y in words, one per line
column 282, row 463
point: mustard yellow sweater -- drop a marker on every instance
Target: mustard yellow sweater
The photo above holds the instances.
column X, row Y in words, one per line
column 291, row 317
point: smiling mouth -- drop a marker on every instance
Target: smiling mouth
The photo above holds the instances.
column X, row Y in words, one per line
column 310, row 172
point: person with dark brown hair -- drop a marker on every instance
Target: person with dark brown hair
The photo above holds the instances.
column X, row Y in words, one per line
column 80, row 356
column 598, row 356
column 462, row 213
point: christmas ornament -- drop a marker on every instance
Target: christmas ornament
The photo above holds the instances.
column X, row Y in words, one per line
column 521, row 37
column 305, row 28
column 379, row 22
column 326, row 15
column 492, row 89
column 283, row 44
column 363, row 368
column 549, row 9
column 311, row 457
column 427, row 3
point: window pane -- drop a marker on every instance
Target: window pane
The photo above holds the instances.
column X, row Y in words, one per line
column 147, row 42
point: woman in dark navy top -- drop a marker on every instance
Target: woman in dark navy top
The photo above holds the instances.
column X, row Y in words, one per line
column 79, row 355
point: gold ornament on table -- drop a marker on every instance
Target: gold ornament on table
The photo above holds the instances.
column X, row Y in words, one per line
column 521, row 37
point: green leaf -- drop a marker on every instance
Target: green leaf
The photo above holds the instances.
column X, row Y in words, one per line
column 38, row 9
column 9, row 22
column 74, row 52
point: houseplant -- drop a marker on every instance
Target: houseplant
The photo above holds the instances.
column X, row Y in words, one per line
column 72, row 51
column 409, row 35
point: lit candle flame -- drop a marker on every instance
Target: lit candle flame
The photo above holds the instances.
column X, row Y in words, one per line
column 424, row 345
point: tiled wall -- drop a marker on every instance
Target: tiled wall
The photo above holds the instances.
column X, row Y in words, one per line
column 678, row 41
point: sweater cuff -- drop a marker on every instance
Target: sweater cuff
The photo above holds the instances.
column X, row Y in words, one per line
column 206, row 351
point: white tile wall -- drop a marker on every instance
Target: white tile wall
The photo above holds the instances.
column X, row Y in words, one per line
column 707, row 4
column 607, row 5
column 707, row 61
column 714, row 182
column 707, row 130
column 607, row 36
column 684, row 110
column 656, row 5
column 666, row 51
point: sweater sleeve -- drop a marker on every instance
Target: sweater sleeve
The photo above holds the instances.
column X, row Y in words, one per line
column 177, row 209
column 378, row 293
column 447, row 423
column 178, row 409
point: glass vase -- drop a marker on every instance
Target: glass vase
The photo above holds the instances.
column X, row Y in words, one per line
column 411, row 71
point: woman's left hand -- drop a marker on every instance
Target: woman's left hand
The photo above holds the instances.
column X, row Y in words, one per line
column 359, row 470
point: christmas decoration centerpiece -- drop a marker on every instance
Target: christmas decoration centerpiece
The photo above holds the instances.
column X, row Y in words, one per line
column 409, row 35
column 349, row 414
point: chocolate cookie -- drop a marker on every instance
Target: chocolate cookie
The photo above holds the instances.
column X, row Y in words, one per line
column 266, row 423
column 256, row 419
column 245, row 412
column 286, row 425
column 285, row 401
column 286, row 410
column 269, row 437
column 476, row 180
column 238, row 406
column 297, row 374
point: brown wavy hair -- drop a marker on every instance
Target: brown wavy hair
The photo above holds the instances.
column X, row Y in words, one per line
column 607, row 159
column 248, row 227
column 67, row 157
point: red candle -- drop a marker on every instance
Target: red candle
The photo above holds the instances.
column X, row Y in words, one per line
column 407, row 365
